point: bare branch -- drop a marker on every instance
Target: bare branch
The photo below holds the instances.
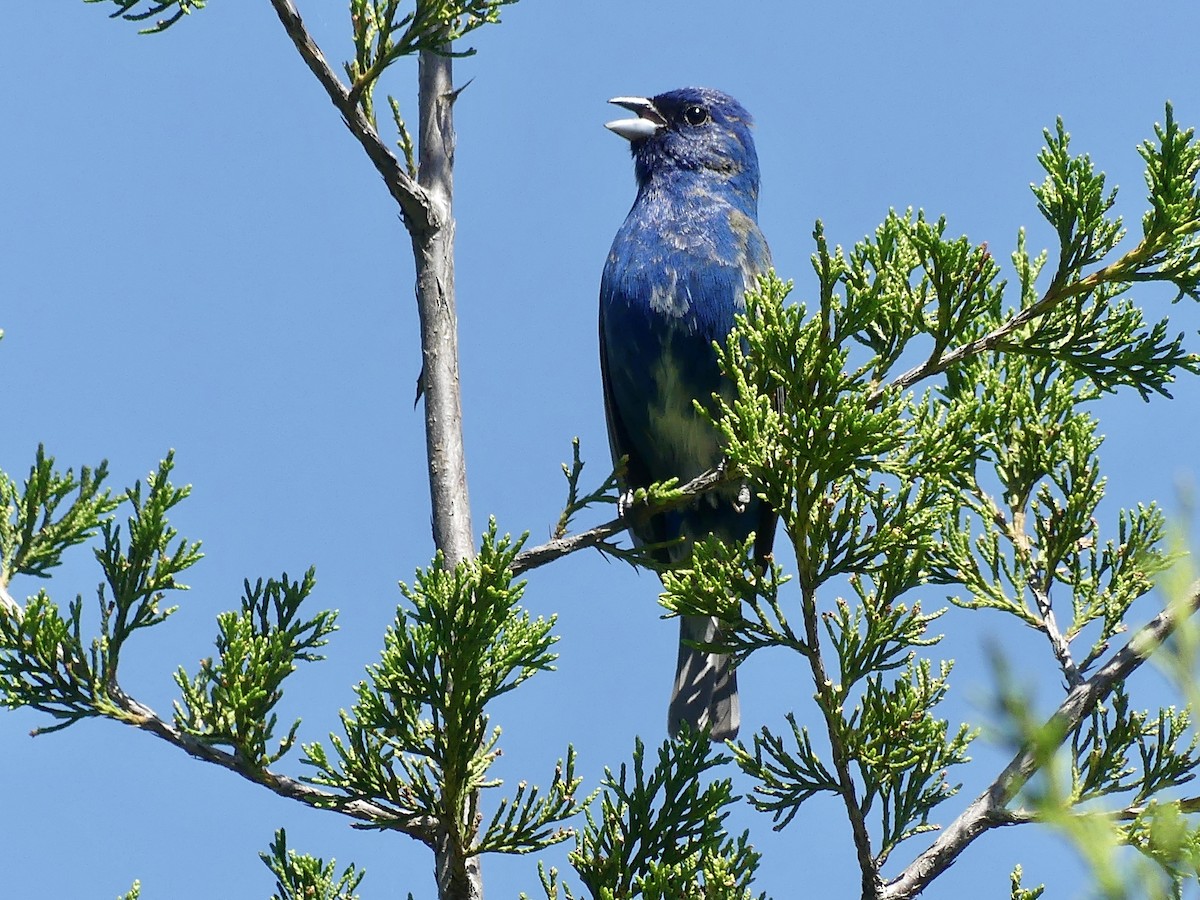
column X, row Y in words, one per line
column 421, row 215
column 426, row 205
column 988, row 811
column 434, row 254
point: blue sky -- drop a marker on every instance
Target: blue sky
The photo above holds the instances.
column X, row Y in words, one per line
column 196, row 255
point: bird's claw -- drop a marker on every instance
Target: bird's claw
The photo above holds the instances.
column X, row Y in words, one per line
column 624, row 504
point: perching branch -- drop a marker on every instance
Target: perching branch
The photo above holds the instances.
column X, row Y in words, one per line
column 599, row 536
column 988, row 811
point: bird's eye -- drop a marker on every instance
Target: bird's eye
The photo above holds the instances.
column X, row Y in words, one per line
column 695, row 115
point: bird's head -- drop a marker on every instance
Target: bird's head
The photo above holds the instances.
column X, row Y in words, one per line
column 690, row 129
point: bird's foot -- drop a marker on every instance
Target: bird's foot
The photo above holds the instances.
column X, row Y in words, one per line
column 624, row 504
column 743, row 498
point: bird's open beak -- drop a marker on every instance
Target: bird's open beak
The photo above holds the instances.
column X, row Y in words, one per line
column 648, row 123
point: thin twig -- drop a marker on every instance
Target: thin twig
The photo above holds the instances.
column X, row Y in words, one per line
column 988, row 811
column 1058, row 642
column 829, row 704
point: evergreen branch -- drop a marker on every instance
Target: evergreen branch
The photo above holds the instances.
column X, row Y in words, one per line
column 786, row 779
column 45, row 666
column 141, row 570
column 524, row 824
column 729, row 582
column 661, row 833
column 1017, row 892
column 988, row 810
column 1039, row 585
column 998, row 337
column 302, row 877
column 605, row 493
column 1073, row 199
column 382, row 36
column 404, row 141
column 231, row 701
column 418, row 740
column 35, row 526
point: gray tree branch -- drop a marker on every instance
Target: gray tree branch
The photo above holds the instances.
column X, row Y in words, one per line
column 420, row 213
column 434, row 254
column 427, row 208
column 988, row 810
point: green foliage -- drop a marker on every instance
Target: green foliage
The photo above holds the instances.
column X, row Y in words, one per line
column 418, row 746
column 1132, row 760
column 661, row 834
column 302, row 877
column 417, row 741
column 45, row 661
column 920, row 426
column 140, row 573
column 133, row 893
column 1170, row 840
column 36, row 528
column 1123, row 751
column 388, row 30
column 725, row 581
column 1020, row 893
column 230, row 701
column 1171, row 227
column 986, row 482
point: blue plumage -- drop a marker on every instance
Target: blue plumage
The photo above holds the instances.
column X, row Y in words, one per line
column 673, row 282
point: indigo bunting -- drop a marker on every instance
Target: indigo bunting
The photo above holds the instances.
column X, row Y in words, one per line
column 674, row 280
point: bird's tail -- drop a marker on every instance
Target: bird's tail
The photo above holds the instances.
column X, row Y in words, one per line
column 705, row 694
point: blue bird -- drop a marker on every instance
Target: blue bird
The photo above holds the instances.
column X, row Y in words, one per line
column 674, row 280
